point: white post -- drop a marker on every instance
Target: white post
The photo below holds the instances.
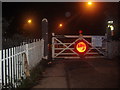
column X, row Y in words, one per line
column 7, row 76
column 42, row 40
column 4, row 66
column 40, row 49
column 53, row 45
column 27, row 53
column 15, row 65
column 23, row 63
column 10, row 65
column 12, row 60
column 34, row 53
column 39, row 55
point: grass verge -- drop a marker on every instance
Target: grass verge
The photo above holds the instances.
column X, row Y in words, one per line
column 35, row 74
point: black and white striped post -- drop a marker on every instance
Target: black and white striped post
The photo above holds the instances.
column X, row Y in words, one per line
column 45, row 37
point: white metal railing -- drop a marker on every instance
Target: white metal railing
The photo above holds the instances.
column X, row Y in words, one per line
column 15, row 61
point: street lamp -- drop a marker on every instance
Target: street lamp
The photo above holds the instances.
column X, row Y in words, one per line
column 29, row 21
column 111, row 27
column 89, row 3
column 90, row 7
column 60, row 25
column 29, row 24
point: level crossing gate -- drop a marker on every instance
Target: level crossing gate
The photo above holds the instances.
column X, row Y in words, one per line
column 63, row 46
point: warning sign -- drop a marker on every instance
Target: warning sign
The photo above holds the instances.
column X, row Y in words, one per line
column 97, row 41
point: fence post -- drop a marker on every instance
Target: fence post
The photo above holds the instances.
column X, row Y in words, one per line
column 27, row 53
column 42, row 48
column 53, row 46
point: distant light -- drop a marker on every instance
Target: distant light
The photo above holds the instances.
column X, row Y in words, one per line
column 111, row 27
column 110, row 22
column 29, row 21
column 89, row 3
column 60, row 25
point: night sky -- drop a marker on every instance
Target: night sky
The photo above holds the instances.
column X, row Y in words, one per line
column 75, row 16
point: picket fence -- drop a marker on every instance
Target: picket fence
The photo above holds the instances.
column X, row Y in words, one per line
column 16, row 62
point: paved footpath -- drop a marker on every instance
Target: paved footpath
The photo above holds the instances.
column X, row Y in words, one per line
column 89, row 73
column 54, row 77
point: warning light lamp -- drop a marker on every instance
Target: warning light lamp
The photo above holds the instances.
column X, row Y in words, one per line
column 81, row 47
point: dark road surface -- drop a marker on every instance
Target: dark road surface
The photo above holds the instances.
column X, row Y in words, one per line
column 87, row 73
column 93, row 73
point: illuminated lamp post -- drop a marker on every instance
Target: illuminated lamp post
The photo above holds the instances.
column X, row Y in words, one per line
column 110, row 30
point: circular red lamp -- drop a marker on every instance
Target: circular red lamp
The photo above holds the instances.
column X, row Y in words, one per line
column 80, row 32
column 81, row 47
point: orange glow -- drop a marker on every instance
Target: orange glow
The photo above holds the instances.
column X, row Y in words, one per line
column 89, row 3
column 81, row 47
column 29, row 21
column 60, row 25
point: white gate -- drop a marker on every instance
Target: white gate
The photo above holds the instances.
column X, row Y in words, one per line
column 63, row 46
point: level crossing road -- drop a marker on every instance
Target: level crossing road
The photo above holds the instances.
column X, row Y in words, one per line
column 82, row 73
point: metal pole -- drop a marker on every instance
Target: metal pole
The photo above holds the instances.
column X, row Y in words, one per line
column 45, row 36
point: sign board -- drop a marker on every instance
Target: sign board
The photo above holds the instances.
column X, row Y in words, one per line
column 97, row 41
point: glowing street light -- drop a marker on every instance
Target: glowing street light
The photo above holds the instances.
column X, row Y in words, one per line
column 60, row 25
column 29, row 21
column 111, row 27
column 89, row 3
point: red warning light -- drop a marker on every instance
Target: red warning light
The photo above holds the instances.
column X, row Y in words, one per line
column 80, row 32
column 81, row 46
